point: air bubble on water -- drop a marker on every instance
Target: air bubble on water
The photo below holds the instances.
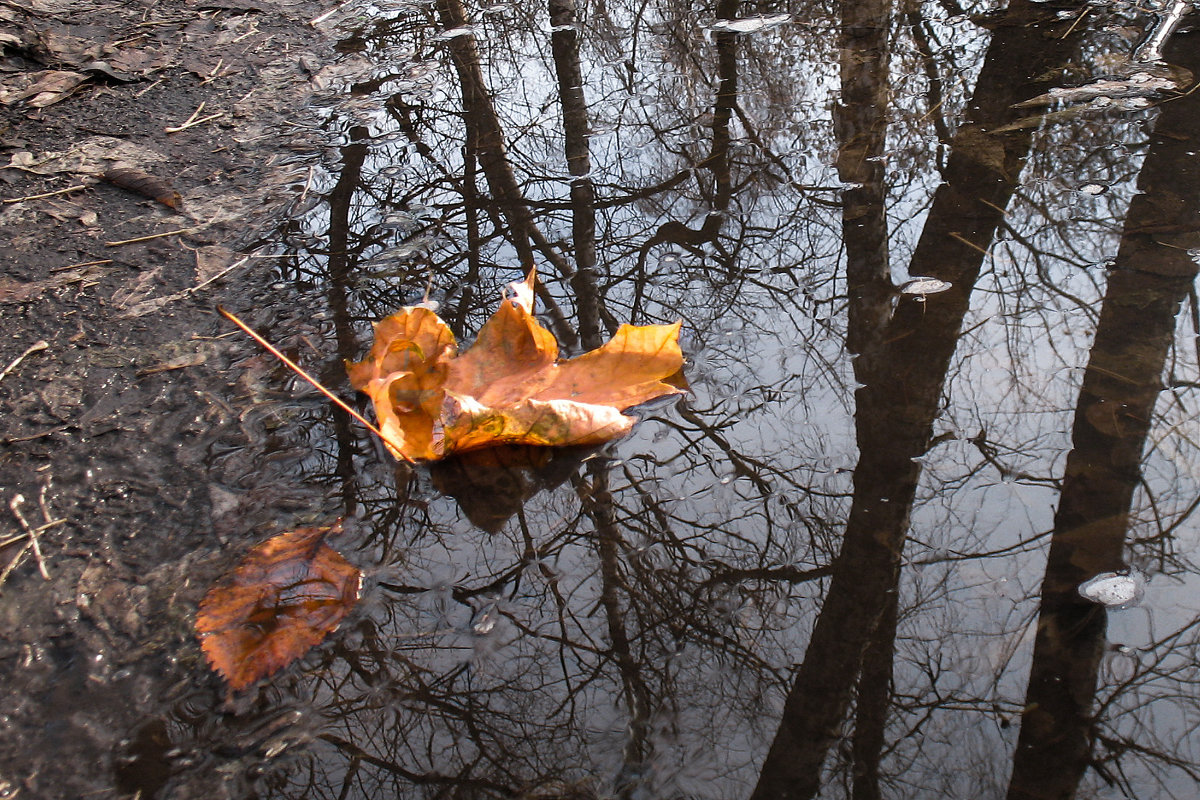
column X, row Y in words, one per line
column 1093, row 189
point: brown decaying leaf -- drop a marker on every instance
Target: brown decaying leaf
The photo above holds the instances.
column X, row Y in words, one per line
column 40, row 89
column 145, row 184
column 285, row 596
column 509, row 388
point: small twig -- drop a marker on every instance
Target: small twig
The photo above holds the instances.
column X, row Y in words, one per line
column 1075, row 24
column 40, row 529
column 33, row 348
column 253, row 30
column 296, row 368
column 195, row 115
column 968, row 242
column 215, row 72
column 13, row 564
column 194, row 120
column 155, row 22
column 148, row 88
column 219, row 275
column 15, row 505
column 55, row 193
column 32, row 436
column 12, row 540
column 44, row 506
column 95, row 263
column 307, row 184
column 192, row 229
column 317, row 20
column 194, row 123
column 171, row 298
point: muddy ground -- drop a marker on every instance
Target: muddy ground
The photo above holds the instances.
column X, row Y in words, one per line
column 135, row 421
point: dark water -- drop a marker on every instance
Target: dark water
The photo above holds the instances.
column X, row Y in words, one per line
column 847, row 564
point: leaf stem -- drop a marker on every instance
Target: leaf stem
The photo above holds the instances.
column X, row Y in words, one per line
column 297, row 369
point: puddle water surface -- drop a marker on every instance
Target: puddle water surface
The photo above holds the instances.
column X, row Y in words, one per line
column 942, row 354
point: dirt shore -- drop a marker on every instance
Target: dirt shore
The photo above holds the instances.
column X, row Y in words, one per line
column 149, row 147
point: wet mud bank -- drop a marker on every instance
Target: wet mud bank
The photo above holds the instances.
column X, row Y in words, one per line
column 148, row 149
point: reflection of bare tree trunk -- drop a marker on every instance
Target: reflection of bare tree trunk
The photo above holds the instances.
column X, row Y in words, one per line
column 340, row 199
column 873, row 701
column 860, row 120
column 564, row 42
column 903, row 371
column 1152, row 275
column 598, row 503
column 486, row 135
column 727, row 90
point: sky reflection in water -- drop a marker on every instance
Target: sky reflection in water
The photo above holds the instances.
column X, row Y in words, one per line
column 849, row 561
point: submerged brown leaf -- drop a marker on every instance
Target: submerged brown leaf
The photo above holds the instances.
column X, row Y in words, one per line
column 285, row 596
column 509, row 387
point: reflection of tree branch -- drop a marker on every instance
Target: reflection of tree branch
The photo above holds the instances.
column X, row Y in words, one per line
column 340, row 199
column 716, row 162
column 992, row 456
column 418, row 778
column 788, row 574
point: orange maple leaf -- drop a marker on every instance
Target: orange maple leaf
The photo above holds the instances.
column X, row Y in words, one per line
column 285, row 596
column 509, row 387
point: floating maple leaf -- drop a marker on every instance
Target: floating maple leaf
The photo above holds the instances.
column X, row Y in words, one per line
column 285, row 596
column 510, row 387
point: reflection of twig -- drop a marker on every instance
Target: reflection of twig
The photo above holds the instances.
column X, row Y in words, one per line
column 788, row 574
column 991, row 455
